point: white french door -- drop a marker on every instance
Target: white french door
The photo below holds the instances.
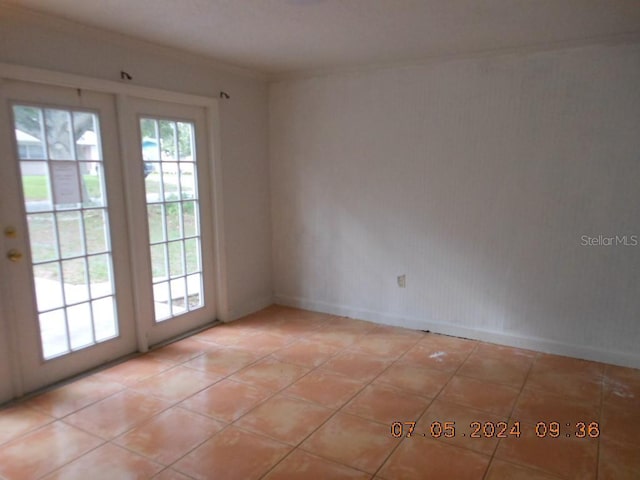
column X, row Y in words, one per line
column 171, row 199
column 102, row 257
column 63, row 216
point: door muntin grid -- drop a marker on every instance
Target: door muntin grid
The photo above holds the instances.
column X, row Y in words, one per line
column 65, row 199
column 173, row 213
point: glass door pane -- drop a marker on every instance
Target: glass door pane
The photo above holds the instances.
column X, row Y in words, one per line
column 173, row 213
column 63, row 188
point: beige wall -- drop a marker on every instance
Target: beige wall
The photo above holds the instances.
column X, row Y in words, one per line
column 477, row 178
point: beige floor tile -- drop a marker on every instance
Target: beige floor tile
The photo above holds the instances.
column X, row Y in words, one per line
column 386, row 404
column 461, row 426
column 227, row 400
column 327, row 389
column 177, row 384
column 227, row 454
column 481, row 395
column 270, row 373
column 112, row 416
column 168, row 436
column 512, row 372
column 62, row 401
column 501, row 470
column 417, row 459
column 306, row 353
column 18, row 420
column 181, row 351
column 357, row 366
column 300, row 465
column 286, row 419
column 134, row 370
column 618, row 461
column 107, row 463
column 569, row 458
column 434, row 357
column 352, row 441
column 223, row 361
column 421, row 381
column 43, row 451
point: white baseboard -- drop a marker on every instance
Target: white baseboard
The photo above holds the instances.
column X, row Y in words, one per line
column 532, row 343
column 246, row 308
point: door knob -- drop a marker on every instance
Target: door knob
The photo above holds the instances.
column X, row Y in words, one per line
column 14, row 255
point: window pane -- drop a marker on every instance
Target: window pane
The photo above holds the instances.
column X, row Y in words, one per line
column 42, row 237
column 96, row 230
column 170, row 181
column 36, row 186
column 173, row 212
column 194, row 289
column 29, row 132
column 153, row 182
column 155, row 218
column 59, row 139
column 159, row 265
column 100, row 275
column 168, row 140
column 76, row 286
column 104, row 319
column 190, row 213
column 176, row 258
column 53, row 333
column 48, row 286
column 80, row 326
column 70, row 234
column 187, row 181
column 86, row 136
column 192, row 254
column 178, row 293
column 150, row 141
column 185, row 142
column 92, row 184
column 161, row 297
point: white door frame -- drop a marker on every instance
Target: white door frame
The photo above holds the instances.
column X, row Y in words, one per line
column 123, row 92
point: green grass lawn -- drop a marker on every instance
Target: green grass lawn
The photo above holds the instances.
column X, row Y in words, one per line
column 36, row 188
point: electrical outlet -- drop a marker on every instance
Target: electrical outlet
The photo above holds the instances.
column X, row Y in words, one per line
column 402, row 281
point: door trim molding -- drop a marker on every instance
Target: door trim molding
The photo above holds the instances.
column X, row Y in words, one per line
column 61, row 79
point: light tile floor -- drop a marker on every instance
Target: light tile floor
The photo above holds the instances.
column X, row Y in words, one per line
column 288, row 394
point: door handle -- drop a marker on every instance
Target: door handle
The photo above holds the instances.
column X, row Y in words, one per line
column 14, row 255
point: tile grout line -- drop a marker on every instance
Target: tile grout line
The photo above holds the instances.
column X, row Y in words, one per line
column 405, row 438
column 335, row 412
column 510, row 416
column 276, row 392
column 297, row 338
column 280, row 391
column 104, row 442
column 338, row 410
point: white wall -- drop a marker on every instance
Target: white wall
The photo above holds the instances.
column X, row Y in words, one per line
column 39, row 41
column 477, row 179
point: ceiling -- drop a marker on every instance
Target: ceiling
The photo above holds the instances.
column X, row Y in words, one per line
column 281, row 36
